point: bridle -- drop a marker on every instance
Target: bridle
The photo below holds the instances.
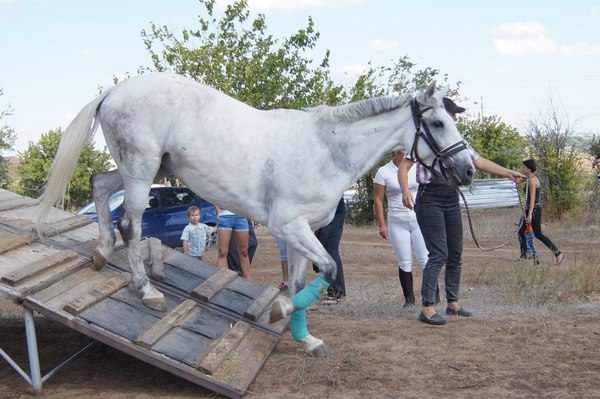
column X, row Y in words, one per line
column 443, row 156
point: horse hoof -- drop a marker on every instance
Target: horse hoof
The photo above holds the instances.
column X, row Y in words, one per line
column 155, row 304
column 321, row 350
column 98, row 259
column 281, row 308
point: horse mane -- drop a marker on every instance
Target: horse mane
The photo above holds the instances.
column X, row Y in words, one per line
column 362, row 109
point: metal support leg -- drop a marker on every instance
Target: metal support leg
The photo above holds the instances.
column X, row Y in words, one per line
column 32, row 350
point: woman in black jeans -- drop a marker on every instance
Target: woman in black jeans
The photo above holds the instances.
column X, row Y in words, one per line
column 439, row 217
column 533, row 212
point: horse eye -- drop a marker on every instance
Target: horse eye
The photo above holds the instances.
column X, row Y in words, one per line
column 438, row 124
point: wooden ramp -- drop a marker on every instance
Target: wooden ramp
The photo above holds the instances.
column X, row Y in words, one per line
column 215, row 332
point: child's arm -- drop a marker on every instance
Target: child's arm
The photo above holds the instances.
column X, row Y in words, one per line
column 186, row 250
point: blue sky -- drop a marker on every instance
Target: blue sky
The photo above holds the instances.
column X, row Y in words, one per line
column 512, row 56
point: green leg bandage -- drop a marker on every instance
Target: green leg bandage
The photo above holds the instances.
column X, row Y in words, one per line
column 308, row 294
column 298, row 327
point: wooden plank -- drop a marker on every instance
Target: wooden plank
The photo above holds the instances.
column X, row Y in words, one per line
column 119, row 318
column 221, row 348
column 63, row 225
column 17, row 240
column 156, row 259
column 39, row 267
column 190, row 265
column 243, row 364
column 214, row 284
column 45, row 280
column 162, row 326
column 98, row 293
column 133, row 298
column 82, row 288
column 65, row 285
column 208, row 322
column 183, row 345
column 232, row 300
column 257, row 307
column 14, row 203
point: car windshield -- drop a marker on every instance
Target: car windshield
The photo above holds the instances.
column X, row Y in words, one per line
column 115, row 200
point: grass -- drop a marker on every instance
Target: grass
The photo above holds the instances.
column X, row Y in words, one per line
column 525, row 283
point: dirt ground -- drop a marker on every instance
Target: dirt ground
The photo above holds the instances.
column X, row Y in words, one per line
column 380, row 350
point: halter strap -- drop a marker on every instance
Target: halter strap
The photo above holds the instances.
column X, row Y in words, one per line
column 442, row 156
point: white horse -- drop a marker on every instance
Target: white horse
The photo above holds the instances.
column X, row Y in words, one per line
column 284, row 168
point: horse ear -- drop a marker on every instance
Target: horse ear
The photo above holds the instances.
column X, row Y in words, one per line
column 430, row 90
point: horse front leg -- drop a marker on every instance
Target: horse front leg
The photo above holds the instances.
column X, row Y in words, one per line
column 303, row 296
column 103, row 185
column 131, row 232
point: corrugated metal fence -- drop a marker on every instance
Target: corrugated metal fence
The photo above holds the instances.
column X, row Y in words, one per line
column 490, row 193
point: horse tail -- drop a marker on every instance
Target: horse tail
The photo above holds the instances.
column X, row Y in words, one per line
column 77, row 135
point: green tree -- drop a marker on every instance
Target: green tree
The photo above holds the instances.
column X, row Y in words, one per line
column 238, row 57
column 36, row 162
column 401, row 77
column 494, row 140
column 594, row 147
column 7, row 141
column 557, row 164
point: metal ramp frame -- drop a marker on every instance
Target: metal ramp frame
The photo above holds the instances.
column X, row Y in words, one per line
column 215, row 332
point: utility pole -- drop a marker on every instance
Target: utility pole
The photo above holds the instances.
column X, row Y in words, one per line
column 481, row 111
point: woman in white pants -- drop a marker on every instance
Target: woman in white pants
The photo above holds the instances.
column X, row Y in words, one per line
column 402, row 227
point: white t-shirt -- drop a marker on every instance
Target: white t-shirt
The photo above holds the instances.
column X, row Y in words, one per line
column 387, row 176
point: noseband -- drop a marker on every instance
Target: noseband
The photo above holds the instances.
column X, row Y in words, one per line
column 443, row 156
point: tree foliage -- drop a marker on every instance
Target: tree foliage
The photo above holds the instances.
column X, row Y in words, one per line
column 494, row 140
column 594, row 148
column 237, row 56
column 7, row 141
column 557, row 164
column 36, row 162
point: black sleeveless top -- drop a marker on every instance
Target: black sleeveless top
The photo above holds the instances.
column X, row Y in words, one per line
column 538, row 194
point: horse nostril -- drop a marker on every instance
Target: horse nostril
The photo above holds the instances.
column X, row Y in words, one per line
column 470, row 172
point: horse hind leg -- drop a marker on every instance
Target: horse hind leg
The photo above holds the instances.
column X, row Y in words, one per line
column 103, row 186
column 136, row 198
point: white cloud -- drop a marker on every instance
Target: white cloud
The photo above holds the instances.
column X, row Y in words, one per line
column 534, row 45
column 85, row 53
column 532, row 38
column 382, row 44
column 293, row 6
column 519, row 28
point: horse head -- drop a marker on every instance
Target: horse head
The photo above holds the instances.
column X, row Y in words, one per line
column 438, row 144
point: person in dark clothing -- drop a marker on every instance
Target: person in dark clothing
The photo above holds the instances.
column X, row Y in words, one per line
column 533, row 213
column 233, row 259
column 438, row 212
column 330, row 236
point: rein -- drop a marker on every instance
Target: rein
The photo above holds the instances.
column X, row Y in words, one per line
column 514, row 233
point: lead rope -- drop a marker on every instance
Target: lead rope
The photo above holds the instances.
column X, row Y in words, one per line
column 514, row 233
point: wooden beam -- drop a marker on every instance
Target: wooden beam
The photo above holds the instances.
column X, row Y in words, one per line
column 215, row 283
column 39, row 267
column 16, row 241
column 64, row 225
column 221, row 348
column 263, row 300
column 164, row 325
column 97, row 294
column 156, row 259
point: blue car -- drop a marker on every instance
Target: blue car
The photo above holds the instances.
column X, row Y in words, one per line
column 166, row 213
